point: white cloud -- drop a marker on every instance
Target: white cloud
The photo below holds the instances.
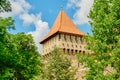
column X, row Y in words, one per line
column 82, row 8
column 20, row 9
column 28, row 18
column 41, row 30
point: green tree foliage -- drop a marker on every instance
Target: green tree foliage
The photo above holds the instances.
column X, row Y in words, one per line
column 5, row 24
column 58, row 67
column 105, row 41
column 5, row 6
column 19, row 58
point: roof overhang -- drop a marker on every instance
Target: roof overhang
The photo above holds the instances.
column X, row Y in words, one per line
column 47, row 38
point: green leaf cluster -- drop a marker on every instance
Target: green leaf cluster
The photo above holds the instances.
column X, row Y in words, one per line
column 5, row 6
column 58, row 67
column 105, row 41
column 19, row 58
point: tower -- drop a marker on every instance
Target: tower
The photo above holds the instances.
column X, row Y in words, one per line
column 65, row 35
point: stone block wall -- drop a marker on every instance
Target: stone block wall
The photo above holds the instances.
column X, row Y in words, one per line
column 68, row 43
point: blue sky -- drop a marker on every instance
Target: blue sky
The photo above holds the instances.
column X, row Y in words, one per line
column 36, row 17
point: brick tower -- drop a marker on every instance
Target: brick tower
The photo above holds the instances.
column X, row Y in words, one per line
column 65, row 35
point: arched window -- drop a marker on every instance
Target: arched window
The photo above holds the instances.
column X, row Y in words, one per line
column 80, row 51
column 83, row 52
column 76, row 51
column 72, row 51
column 68, row 51
column 64, row 50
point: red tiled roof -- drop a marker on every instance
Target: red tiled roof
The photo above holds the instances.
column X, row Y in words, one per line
column 63, row 24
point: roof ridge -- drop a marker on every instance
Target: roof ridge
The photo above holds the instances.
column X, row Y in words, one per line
column 60, row 20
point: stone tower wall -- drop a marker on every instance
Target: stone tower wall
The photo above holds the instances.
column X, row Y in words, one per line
column 70, row 44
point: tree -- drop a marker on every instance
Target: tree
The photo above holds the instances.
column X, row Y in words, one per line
column 5, row 6
column 28, row 59
column 105, row 41
column 19, row 58
column 58, row 67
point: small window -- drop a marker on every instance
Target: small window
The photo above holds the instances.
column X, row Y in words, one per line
column 70, row 38
column 67, row 45
column 63, row 44
column 72, row 50
column 59, row 36
column 80, row 46
column 76, row 51
column 76, row 39
column 76, row 46
column 72, row 45
column 68, row 50
column 80, row 51
column 83, row 52
column 64, row 37
column 64, row 50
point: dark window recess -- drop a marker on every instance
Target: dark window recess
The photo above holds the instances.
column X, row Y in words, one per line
column 59, row 36
column 65, row 37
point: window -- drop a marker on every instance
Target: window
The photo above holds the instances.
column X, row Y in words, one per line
column 63, row 44
column 76, row 46
column 68, row 50
column 59, row 36
column 64, row 50
column 72, row 51
column 67, row 45
column 72, row 45
column 80, row 51
column 64, row 37
column 83, row 52
column 54, row 40
column 76, row 51
column 70, row 38
column 76, row 39
column 81, row 40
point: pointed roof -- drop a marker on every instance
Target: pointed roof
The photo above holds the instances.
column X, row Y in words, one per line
column 63, row 24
